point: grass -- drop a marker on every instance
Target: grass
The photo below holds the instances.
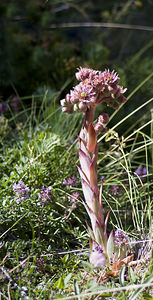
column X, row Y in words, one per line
column 44, row 249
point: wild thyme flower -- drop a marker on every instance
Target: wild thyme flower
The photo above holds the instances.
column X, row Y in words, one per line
column 21, row 191
column 95, row 87
column 40, row 264
column 120, row 239
column 114, row 190
column 73, row 198
column 3, row 107
column 70, row 181
column 45, row 195
column 73, row 201
column 141, row 171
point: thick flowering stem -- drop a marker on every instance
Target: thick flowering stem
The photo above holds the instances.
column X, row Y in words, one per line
column 89, row 116
column 88, row 154
column 94, row 88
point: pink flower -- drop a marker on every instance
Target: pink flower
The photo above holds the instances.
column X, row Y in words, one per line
column 109, row 78
column 84, row 73
column 82, row 92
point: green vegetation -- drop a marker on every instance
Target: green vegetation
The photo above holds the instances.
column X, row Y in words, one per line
column 44, row 248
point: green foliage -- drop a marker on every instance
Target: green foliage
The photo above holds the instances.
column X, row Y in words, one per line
column 40, row 246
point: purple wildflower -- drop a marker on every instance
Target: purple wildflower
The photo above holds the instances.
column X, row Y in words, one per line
column 21, row 191
column 120, row 239
column 144, row 171
column 65, row 182
column 114, row 190
column 15, row 104
column 71, row 181
column 141, row 171
column 45, row 195
column 40, row 264
column 3, row 107
column 73, row 198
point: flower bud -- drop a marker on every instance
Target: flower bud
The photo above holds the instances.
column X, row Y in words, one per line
column 67, row 109
column 82, row 106
column 115, row 105
column 75, row 107
column 98, row 127
column 63, row 102
column 104, row 118
column 68, row 98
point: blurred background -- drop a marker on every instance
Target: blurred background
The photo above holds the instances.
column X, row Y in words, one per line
column 39, row 52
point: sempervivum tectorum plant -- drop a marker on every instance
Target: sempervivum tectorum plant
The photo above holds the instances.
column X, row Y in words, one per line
column 96, row 87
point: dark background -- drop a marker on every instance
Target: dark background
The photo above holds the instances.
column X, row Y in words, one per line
column 34, row 56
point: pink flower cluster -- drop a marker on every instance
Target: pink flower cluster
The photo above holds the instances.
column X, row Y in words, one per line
column 95, row 87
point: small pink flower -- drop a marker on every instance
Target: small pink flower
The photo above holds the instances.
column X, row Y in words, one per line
column 109, row 78
column 84, row 73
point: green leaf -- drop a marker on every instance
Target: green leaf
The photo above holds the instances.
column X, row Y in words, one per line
column 122, row 275
column 76, row 289
column 147, row 296
column 110, row 245
column 131, row 275
column 65, row 258
column 151, row 263
column 91, row 234
column 59, row 284
column 146, row 283
column 32, row 268
column 67, row 278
